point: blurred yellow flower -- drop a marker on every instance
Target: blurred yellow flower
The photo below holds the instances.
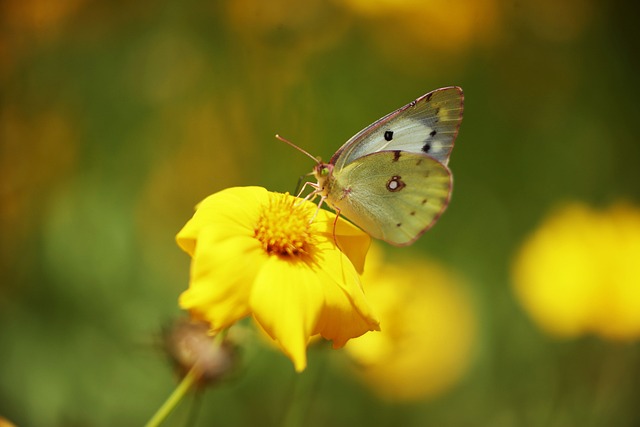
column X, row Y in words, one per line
column 428, row 328
column 580, row 272
column 407, row 27
column 6, row 423
column 39, row 17
column 257, row 253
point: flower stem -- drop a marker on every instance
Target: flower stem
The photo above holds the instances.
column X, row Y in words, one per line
column 169, row 405
column 185, row 385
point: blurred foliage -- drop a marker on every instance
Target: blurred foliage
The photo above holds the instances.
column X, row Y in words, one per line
column 116, row 118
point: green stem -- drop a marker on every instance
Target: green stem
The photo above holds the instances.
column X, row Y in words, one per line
column 185, row 385
column 169, row 405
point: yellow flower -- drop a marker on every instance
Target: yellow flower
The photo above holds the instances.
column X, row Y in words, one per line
column 428, row 330
column 431, row 25
column 580, row 272
column 257, row 253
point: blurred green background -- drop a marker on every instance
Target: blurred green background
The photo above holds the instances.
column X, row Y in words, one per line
column 116, row 118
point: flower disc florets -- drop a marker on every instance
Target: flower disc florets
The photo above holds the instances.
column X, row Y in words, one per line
column 282, row 229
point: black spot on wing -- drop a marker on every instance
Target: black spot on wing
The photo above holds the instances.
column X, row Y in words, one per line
column 426, row 147
column 431, row 134
column 388, row 135
column 396, row 155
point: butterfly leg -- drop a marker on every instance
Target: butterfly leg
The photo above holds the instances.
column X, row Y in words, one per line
column 322, row 199
column 335, row 221
column 298, row 193
column 312, row 194
column 335, row 224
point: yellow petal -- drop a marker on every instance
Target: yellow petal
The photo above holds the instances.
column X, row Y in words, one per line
column 286, row 301
column 346, row 312
column 222, row 276
column 234, row 210
column 351, row 240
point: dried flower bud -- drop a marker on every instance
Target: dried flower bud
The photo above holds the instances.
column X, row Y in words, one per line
column 191, row 344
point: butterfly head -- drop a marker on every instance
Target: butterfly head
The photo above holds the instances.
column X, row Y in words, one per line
column 322, row 172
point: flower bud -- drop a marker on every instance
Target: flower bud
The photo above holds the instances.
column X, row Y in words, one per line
column 190, row 344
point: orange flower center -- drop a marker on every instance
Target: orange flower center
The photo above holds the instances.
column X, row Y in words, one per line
column 283, row 227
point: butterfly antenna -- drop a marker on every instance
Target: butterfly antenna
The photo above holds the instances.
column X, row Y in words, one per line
column 297, row 148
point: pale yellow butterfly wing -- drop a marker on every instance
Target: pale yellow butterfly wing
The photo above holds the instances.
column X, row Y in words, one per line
column 427, row 125
column 394, row 196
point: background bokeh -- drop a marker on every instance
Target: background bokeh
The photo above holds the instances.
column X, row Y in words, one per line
column 116, row 118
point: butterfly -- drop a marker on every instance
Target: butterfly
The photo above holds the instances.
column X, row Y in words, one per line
column 392, row 179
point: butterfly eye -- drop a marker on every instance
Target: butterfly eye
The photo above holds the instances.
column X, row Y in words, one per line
column 324, row 171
